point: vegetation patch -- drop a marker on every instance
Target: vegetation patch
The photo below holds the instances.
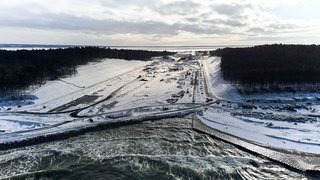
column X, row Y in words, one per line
column 23, row 68
column 272, row 68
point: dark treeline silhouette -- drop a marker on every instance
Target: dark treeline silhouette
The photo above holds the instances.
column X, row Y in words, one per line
column 271, row 67
column 24, row 68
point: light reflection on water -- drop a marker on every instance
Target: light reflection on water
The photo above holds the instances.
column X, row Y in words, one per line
column 164, row 149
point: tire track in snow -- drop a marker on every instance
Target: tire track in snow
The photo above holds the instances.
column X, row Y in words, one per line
column 86, row 88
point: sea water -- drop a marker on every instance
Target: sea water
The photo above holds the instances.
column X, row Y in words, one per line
column 161, row 149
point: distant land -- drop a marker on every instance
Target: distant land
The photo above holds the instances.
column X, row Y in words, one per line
column 150, row 48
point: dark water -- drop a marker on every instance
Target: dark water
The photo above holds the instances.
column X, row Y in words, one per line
column 164, row 149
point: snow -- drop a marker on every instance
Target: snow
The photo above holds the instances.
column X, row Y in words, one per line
column 281, row 129
column 16, row 126
column 223, row 89
column 118, row 91
column 88, row 81
column 303, row 137
column 218, row 87
column 114, row 89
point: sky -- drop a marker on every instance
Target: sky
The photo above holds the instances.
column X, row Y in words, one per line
column 159, row 22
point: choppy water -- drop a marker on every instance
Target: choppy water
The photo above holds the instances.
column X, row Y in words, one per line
column 164, row 149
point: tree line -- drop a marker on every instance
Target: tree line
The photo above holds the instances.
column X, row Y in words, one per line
column 272, row 67
column 21, row 69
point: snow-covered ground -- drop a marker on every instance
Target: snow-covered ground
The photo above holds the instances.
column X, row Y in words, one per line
column 301, row 136
column 100, row 92
column 272, row 126
column 114, row 89
column 217, row 86
column 224, row 90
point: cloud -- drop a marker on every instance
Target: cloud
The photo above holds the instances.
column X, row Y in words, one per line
column 283, row 26
column 108, row 26
column 257, row 30
column 228, row 22
column 183, row 8
column 152, row 20
column 234, row 9
column 274, row 3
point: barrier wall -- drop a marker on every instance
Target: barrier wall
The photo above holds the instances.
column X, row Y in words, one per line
column 296, row 159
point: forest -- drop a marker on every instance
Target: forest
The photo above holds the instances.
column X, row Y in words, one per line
column 22, row 69
column 272, row 68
